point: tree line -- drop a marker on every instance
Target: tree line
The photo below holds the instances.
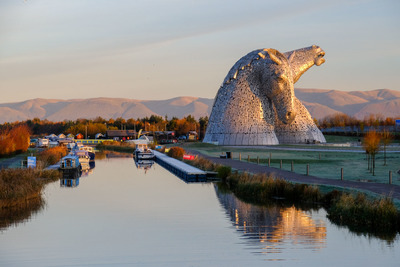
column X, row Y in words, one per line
column 91, row 127
column 344, row 120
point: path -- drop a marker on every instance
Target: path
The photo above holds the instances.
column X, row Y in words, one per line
column 12, row 162
column 379, row 188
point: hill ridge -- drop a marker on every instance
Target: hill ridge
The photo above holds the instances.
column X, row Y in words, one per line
column 319, row 102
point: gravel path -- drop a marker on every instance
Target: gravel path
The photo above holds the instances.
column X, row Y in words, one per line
column 379, row 188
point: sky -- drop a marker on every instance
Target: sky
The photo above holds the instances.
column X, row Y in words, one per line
column 153, row 50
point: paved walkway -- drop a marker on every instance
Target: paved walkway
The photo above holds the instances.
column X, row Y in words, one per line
column 12, row 162
column 379, row 188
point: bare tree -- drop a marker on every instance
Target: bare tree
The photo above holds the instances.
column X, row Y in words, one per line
column 386, row 140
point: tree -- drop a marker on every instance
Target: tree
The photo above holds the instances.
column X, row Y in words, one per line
column 371, row 145
column 386, row 140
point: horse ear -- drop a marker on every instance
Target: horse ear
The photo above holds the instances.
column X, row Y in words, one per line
column 291, row 57
column 272, row 56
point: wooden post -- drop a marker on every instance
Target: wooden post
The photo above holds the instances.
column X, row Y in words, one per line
column 281, row 164
column 240, row 156
column 390, row 177
column 258, row 160
column 248, row 158
column 308, row 169
column 341, row 174
column 269, row 161
column 292, row 168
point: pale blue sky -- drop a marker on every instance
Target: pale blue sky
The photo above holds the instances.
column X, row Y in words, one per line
column 163, row 49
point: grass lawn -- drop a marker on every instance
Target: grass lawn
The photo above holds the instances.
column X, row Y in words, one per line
column 326, row 162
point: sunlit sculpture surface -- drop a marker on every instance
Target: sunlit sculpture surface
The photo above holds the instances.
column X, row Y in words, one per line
column 256, row 105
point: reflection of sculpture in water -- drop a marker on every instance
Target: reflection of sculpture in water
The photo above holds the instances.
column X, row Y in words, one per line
column 256, row 105
column 272, row 226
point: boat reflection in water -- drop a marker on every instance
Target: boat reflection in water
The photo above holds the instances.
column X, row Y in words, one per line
column 69, row 182
column 71, row 179
column 144, row 164
column 274, row 229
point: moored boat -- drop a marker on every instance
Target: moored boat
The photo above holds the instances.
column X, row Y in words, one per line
column 142, row 152
column 70, row 166
column 90, row 151
column 84, row 158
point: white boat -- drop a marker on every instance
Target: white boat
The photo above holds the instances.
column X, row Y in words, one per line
column 90, row 150
column 142, row 151
column 84, row 158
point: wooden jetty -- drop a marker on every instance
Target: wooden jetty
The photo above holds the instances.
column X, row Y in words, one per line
column 181, row 169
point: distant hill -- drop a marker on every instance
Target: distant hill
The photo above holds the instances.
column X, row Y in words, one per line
column 319, row 102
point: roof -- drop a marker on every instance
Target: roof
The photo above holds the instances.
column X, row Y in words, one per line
column 121, row 133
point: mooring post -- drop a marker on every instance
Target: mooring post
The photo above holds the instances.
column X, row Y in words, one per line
column 341, row 174
column 308, row 169
column 240, row 156
column 390, row 177
column 258, row 160
column 269, row 161
column 248, row 158
column 281, row 164
column 292, row 169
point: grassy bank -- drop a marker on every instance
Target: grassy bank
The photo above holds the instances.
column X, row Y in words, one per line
column 358, row 212
column 19, row 185
column 116, row 146
column 325, row 161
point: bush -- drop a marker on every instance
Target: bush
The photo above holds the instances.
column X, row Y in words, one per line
column 224, row 172
column 176, row 152
column 15, row 140
column 52, row 155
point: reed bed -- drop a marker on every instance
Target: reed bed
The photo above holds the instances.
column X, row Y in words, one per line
column 18, row 185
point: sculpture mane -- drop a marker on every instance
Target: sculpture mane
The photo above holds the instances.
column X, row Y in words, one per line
column 256, row 105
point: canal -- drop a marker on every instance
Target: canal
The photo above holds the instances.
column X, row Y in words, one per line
column 121, row 215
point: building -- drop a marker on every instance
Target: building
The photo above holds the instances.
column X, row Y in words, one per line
column 120, row 135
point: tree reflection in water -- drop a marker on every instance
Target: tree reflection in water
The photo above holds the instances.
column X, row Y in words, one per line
column 273, row 228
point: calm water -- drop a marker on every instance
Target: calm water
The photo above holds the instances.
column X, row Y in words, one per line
column 121, row 215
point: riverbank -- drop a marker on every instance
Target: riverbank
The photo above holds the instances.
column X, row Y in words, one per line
column 357, row 211
column 20, row 185
column 323, row 161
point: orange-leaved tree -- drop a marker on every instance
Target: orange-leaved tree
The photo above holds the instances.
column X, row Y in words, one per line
column 371, row 146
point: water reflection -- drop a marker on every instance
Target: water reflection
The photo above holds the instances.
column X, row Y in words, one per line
column 69, row 182
column 274, row 228
column 20, row 213
column 144, row 164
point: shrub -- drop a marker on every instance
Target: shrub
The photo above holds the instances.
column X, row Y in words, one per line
column 176, row 152
column 52, row 155
column 15, row 140
column 224, row 172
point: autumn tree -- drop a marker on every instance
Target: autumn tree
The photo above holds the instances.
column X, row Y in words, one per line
column 371, row 145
